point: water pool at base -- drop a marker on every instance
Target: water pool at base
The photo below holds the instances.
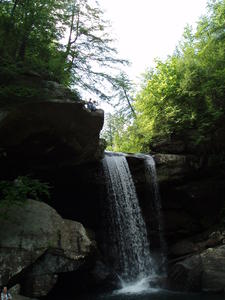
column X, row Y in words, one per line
column 152, row 295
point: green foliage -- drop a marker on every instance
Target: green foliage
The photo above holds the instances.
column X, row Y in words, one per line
column 120, row 133
column 65, row 41
column 22, row 188
column 124, row 92
column 16, row 92
column 184, row 95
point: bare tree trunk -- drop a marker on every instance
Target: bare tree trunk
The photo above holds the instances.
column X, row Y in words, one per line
column 129, row 103
column 71, row 32
column 72, row 41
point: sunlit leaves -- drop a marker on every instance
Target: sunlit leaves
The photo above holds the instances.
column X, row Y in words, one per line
column 186, row 92
column 68, row 41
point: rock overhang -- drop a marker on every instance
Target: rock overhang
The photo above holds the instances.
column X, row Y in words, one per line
column 53, row 131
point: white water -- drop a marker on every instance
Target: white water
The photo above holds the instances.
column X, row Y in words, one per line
column 151, row 177
column 137, row 287
column 128, row 232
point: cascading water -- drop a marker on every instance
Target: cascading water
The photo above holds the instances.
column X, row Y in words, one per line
column 128, row 234
column 151, row 178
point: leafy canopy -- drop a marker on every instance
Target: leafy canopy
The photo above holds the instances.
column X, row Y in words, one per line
column 63, row 40
column 184, row 95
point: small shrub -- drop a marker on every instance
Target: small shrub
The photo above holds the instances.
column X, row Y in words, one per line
column 21, row 189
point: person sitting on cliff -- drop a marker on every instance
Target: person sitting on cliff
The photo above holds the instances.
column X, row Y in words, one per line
column 91, row 105
column 95, row 104
column 5, row 295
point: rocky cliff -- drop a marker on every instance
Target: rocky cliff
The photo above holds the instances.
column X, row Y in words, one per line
column 56, row 139
column 50, row 132
column 192, row 186
column 46, row 136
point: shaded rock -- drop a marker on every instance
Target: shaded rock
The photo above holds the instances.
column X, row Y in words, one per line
column 179, row 224
column 174, row 167
column 55, row 90
column 168, row 146
column 200, row 200
column 187, row 142
column 30, row 86
column 186, row 275
column 182, row 248
column 104, row 277
column 213, row 276
column 15, row 290
column 197, row 243
column 202, row 272
column 178, row 220
column 19, row 297
column 50, row 132
column 35, row 244
column 38, row 285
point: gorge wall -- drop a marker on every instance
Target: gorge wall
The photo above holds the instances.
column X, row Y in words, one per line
column 57, row 141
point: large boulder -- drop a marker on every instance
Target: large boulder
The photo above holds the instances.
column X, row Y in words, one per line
column 201, row 272
column 213, row 276
column 36, row 244
column 186, row 275
column 47, row 133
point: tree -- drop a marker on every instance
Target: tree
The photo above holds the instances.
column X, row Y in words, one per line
column 110, row 128
column 89, row 51
column 184, row 95
column 124, row 90
column 68, row 41
column 31, row 35
column 119, row 134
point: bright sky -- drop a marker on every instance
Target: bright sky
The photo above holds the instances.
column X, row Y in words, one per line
column 147, row 29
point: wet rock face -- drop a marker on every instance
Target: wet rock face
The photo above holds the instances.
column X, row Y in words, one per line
column 50, row 132
column 36, row 244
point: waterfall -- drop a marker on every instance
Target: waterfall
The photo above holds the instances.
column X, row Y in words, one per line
column 151, row 178
column 127, row 232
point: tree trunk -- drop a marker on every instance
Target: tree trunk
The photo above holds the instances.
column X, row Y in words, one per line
column 68, row 47
column 23, row 47
column 70, row 42
column 129, row 104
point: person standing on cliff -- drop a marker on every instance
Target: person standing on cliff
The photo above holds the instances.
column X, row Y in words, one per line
column 5, row 295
